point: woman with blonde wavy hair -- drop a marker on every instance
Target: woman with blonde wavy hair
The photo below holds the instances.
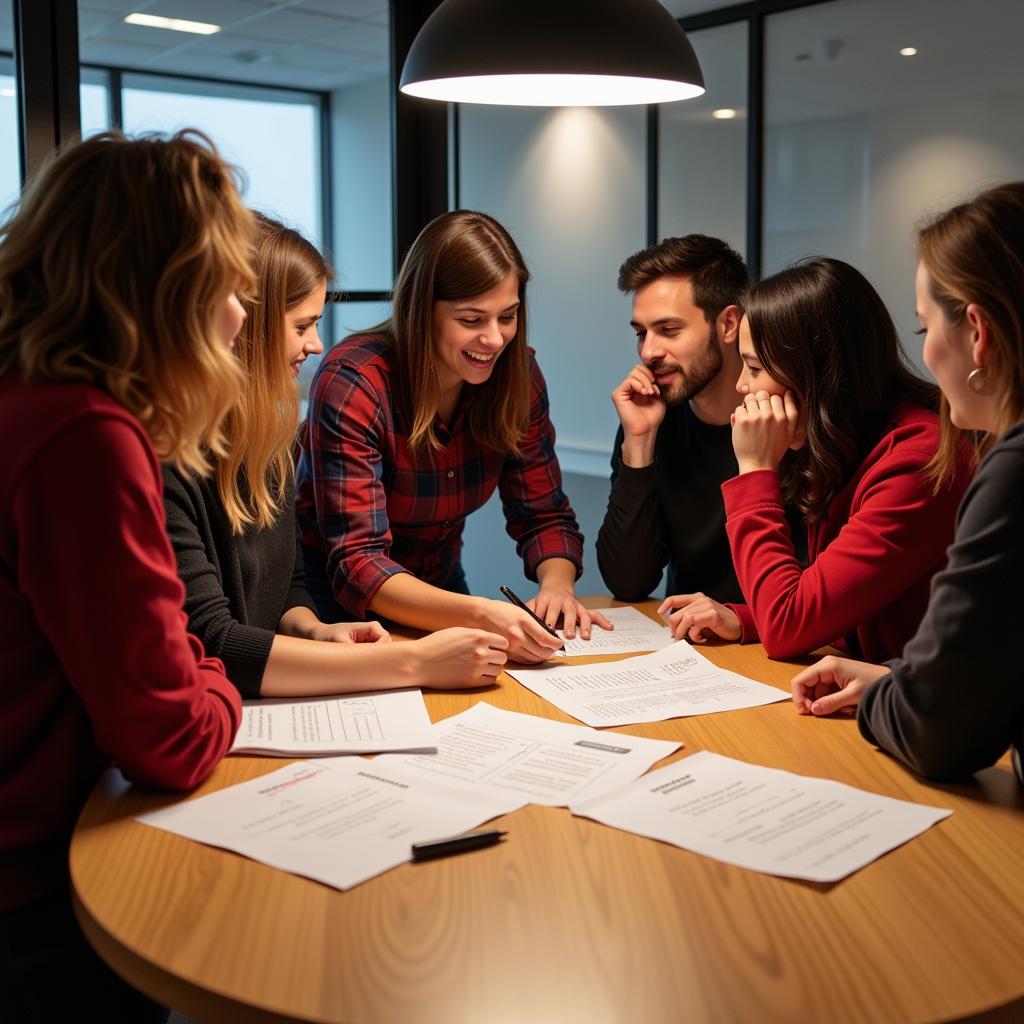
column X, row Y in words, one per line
column 953, row 702
column 118, row 274
column 234, row 534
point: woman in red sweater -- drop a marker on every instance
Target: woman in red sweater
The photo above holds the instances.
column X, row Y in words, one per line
column 118, row 275
column 825, row 380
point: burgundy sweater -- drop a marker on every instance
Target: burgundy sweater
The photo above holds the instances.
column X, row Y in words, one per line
column 95, row 661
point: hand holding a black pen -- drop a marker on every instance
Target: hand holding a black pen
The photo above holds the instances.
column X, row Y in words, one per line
column 529, row 640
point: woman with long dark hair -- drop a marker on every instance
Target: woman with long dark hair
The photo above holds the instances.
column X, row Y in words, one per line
column 835, row 424
column 954, row 700
column 414, row 424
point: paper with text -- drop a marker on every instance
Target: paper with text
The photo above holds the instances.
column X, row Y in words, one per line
column 634, row 632
column 360, row 723
column 339, row 825
column 487, row 750
column 761, row 818
column 672, row 683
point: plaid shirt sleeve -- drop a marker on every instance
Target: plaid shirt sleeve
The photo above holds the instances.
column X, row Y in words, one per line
column 346, row 441
column 537, row 512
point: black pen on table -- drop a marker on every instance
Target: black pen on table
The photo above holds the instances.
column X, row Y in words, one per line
column 456, row 844
column 533, row 615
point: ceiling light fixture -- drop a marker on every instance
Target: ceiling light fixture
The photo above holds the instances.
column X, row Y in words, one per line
column 199, row 28
column 723, row 114
column 908, row 51
column 552, row 53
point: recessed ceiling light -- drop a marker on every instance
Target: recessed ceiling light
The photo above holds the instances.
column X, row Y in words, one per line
column 724, row 113
column 6, row 92
column 199, row 28
column 908, row 51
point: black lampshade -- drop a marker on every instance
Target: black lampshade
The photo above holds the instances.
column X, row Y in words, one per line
column 552, row 53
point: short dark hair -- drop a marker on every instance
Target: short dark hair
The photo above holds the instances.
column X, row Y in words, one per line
column 717, row 272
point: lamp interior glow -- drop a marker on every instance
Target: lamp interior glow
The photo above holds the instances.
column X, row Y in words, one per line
column 553, row 90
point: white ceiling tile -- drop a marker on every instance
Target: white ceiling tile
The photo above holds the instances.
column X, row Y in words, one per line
column 358, row 37
column 293, row 26
column 347, row 8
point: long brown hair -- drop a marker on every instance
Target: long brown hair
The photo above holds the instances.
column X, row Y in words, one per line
column 974, row 253
column 252, row 478
column 113, row 272
column 456, row 256
column 820, row 328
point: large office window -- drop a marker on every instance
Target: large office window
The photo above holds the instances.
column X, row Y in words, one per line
column 94, row 101
column 702, row 145
column 862, row 140
column 271, row 136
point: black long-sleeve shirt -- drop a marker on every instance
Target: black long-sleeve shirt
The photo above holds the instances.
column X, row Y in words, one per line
column 236, row 587
column 954, row 701
column 671, row 512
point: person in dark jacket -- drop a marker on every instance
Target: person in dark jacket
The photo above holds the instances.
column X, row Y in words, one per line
column 954, row 701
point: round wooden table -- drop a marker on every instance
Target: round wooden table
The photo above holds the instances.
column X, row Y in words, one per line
column 569, row 920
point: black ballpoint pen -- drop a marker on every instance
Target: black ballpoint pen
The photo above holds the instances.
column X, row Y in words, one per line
column 519, row 604
column 456, row 844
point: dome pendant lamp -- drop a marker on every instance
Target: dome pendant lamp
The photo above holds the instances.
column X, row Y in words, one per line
column 552, row 53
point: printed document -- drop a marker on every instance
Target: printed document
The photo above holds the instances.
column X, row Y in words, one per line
column 489, row 751
column 634, row 632
column 360, row 723
column 339, row 824
column 762, row 818
column 672, row 683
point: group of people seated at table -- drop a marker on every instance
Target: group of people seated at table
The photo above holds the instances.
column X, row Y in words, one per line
column 172, row 540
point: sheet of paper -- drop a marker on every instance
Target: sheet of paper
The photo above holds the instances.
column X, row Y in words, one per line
column 489, row 751
column 339, row 825
column 671, row 683
column 634, row 632
column 360, row 723
column 762, row 818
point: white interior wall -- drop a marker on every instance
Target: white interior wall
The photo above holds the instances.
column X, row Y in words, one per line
column 569, row 185
column 856, row 187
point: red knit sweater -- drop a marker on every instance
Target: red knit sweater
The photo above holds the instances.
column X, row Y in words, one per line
column 95, row 662
column 871, row 556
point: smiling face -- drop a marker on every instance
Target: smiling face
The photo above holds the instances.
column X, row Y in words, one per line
column 674, row 339
column 471, row 334
column 301, row 337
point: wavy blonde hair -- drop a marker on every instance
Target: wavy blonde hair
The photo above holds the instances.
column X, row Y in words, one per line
column 252, row 478
column 456, row 256
column 113, row 272
column 974, row 253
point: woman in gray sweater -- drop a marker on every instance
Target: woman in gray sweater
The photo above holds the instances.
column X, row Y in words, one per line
column 954, row 701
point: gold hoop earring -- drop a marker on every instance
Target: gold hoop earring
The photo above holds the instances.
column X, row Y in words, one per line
column 976, row 380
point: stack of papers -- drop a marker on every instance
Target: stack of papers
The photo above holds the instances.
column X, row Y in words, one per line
column 672, row 683
column 762, row 818
column 344, row 820
column 487, row 750
column 361, row 723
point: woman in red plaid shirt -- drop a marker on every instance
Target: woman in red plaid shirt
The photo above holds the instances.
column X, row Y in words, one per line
column 413, row 424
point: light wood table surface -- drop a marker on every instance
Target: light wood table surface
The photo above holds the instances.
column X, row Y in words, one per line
column 569, row 920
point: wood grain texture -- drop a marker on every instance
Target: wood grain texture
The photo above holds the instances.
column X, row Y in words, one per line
column 569, row 920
